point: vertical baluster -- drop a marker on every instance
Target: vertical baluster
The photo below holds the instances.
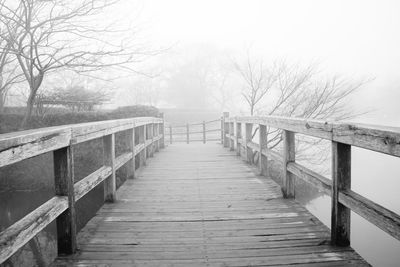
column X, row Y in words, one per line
column 225, row 129
column 109, row 160
column 131, row 164
column 64, row 186
column 249, row 137
column 288, row 156
column 263, row 160
column 231, row 136
column 143, row 141
column 238, row 136
column 161, row 129
column 341, row 181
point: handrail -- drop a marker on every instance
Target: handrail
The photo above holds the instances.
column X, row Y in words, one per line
column 189, row 132
column 18, row 146
column 343, row 135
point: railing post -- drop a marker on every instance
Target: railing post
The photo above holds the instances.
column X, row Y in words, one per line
column 131, row 166
column 263, row 160
column 222, row 131
column 142, row 140
column 64, row 186
column 231, row 136
column 238, row 136
column 187, row 133
column 170, row 134
column 341, row 181
column 109, row 160
column 204, row 132
column 288, row 156
column 249, row 137
column 157, row 125
column 162, row 131
column 151, row 137
column 225, row 128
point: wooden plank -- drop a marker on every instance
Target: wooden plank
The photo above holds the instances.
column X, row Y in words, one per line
column 322, row 183
column 263, row 144
column 249, row 138
column 288, row 156
column 206, row 209
column 18, row 146
column 109, row 161
column 64, row 186
column 383, row 218
column 18, row 234
column 341, row 181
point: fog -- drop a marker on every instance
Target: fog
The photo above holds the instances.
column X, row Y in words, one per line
column 357, row 39
column 328, row 60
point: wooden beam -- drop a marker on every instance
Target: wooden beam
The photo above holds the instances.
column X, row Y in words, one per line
column 238, row 137
column 130, row 169
column 263, row 160
column 64, row 186
column 249, row 137
column 109, row 160
column 225, row 128
column 288, row 156
column 341, row 181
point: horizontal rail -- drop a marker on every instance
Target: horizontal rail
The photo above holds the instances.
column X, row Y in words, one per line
column 22, row 145
column 372, row 137
column 187, row 132
column 17, row 146
column 343, row 135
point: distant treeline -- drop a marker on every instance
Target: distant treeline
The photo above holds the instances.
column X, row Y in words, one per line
column 11, row 118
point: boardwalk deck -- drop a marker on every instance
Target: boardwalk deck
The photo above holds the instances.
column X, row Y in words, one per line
column 201, row 205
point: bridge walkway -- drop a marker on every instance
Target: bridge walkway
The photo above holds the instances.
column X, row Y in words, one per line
column 201, row 205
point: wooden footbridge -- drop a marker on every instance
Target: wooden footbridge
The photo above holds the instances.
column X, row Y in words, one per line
column 199, row 204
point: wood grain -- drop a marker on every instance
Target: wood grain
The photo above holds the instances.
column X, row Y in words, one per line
column 201, row 205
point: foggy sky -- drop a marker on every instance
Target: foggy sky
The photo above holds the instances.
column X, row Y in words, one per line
column 359, row 39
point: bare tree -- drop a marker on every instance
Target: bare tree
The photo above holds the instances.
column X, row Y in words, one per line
column 9, row 73
column 258, row 80
column 291, row 90
column 50, row 35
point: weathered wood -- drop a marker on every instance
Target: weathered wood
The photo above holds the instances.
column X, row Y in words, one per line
column 231, row 136
column 130, row 168
column 341, row 181
column 207, row 209
column 288, row 156
column 249, row 138
column 263, row 144
column 383, row 218
column 109, row 160
column 238, row 137
column 162, row 131
column 322, row 183
column 225, row 128
column 15, row 147
column 64, row 186
column 143, row 140
column 18, row 234
column 88, row 183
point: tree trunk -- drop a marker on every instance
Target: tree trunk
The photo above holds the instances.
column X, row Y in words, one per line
column 34, row 87
column 29, row 109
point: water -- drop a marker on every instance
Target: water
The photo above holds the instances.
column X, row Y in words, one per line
column 375, row 176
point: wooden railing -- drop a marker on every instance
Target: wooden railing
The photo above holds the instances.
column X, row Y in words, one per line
column 343, row 136
column 195, row 132
column 18, row 146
